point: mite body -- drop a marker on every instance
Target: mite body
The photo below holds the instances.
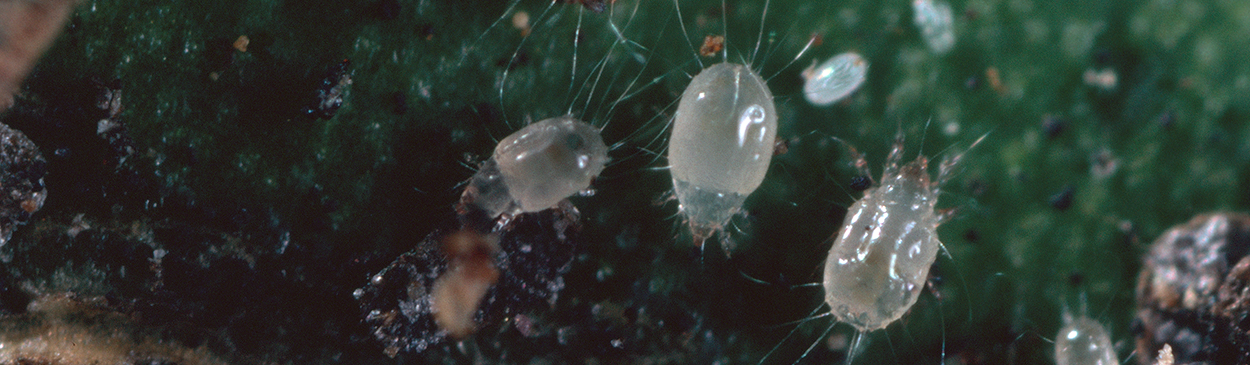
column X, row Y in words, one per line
column 537, row 167
column 722, row 143
column 1084, row 341
column 881, row 256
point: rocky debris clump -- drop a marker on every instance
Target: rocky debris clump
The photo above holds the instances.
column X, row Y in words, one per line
column 1193, row 292
column 22, row 192
column 534, row 253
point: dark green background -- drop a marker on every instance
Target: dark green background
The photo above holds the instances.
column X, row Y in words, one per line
column 228, row 174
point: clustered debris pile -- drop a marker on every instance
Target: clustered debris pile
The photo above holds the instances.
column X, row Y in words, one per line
column 21, row 180
column 534, row 253
column 1193, row 292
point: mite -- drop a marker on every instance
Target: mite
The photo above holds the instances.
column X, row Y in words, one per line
column 723, row 136
column 881, row 256
column 1084, row 342
column 537, row 167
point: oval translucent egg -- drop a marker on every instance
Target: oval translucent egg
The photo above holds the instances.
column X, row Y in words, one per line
column 834, row 79
column 936, row 24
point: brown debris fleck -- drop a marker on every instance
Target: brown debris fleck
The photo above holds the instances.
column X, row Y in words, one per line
column 27, row 28
column 521, row 21
column 996, row 81
column 240, row 44
column 469, row 276
column 712, row 45
column 781, row 146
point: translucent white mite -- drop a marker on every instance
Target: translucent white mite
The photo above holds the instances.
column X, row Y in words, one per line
column 723, row 135
column 1084, row 342
column 538, row 166
column 933, row 18
column 834, row 79
column 881, row 256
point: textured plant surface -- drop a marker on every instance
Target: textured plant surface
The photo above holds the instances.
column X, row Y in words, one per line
column 240, row 222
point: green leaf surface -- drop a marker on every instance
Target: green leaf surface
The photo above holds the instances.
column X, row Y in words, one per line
column 232, row 170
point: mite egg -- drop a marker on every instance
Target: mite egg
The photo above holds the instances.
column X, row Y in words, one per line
column 722, row 142
column 538, row 166
column 834, row 79
column 1084, row 342
column 881, row 256
column 936, row 24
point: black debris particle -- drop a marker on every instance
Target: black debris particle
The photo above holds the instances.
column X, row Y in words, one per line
column 1076, row 278
column 972, row 83
column 1166, row 120
column 386, row 9
column 426, row 31
column 111, row 128
column 1103, row 57
column 597, row 6
column 1062, row 200
column 972, row 236
column 13, row 300
column 1102, row 164
column 219, row 54
column 976, row 186
column 861, row 183
column 1053, row 126
column 519, row 59
column 399, row 103
column 781, row 146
